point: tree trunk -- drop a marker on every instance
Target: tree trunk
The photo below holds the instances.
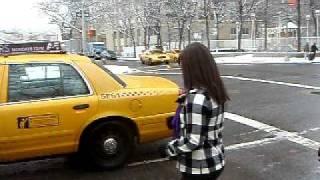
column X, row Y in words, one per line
column 169, row 35
column 240, row 23
column 145, row 37
column 217, row 27
column 181, row 32
column 189, row 35
column 133, row 43
column 148, row 39
column 159, row 39
column 207, row 15
column 299, row 24
column 313, row 15
column 266, row 25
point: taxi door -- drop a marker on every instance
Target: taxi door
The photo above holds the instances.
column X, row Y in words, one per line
column 46, row 105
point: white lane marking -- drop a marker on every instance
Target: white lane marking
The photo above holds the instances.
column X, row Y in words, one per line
column 272, row 82
column 293, row 137
column 252, row 144
column 242, row 79
column 148, row 162
column 228, row 148
column 309, row 131
column 279, row 135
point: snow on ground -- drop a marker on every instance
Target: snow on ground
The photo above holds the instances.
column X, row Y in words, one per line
column 250, row 59
column 116, row 69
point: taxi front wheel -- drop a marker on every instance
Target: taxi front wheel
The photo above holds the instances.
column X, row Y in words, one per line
column 109, row 145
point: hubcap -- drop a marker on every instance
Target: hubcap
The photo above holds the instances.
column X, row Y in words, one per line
column 110, row 146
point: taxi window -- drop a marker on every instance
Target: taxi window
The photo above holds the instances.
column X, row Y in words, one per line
column 156, row 51
column 39, row 81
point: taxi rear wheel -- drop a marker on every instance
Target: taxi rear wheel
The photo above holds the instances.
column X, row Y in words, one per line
column 109, row 145
column 149, row 62
column 142, row 61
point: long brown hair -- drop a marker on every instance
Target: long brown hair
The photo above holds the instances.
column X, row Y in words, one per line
column 200, row 71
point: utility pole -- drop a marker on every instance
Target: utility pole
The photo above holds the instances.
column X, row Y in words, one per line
column 207, row 18
column 83, row 32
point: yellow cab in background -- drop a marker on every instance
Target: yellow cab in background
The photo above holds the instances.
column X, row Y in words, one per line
column 155, row 56
column 53, row 103
column 174, row 54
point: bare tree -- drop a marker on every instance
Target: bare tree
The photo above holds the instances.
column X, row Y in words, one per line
column 218, row 9
column 148, row 13
column 240, row 10
column 180, row 11
column 313, row 6
column 65, row 13
column 121, row 17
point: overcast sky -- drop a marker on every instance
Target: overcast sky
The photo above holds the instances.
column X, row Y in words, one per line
column 23, row 15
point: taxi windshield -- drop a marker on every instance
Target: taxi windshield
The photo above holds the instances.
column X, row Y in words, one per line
column 156, row 51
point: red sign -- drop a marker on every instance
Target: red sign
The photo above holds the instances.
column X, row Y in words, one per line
column 292, row 3
column 91, row 33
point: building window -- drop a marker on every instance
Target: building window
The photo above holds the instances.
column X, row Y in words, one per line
column 245, row 30
column 233, row 30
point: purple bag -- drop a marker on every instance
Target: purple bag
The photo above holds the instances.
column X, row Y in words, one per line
column 175, row 123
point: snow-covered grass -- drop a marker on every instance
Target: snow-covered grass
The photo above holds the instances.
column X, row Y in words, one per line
column 128, row 59
column 250, row 59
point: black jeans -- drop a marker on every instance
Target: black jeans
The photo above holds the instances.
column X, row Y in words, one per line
column 212, row 176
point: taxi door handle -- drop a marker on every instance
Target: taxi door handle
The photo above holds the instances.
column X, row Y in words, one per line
column 81, row 106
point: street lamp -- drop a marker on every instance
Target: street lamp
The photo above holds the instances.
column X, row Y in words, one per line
column 308, row 17
column 317, row 12
column 253, row 34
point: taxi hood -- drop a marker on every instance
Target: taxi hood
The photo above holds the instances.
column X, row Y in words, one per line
column 147, row 82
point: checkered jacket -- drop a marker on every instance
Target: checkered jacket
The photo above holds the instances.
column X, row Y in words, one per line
column 200, row 148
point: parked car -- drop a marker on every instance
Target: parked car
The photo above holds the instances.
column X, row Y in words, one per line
column 111, row 55
column 95, row 49
column 155, row 56
column 52, row 103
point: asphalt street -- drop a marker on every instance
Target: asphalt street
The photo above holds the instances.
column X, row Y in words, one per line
column 272, row 129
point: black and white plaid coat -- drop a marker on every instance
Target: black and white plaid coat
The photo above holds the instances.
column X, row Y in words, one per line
column 200, row 148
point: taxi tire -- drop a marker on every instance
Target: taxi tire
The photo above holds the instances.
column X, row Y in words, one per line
column 149, row 62
column 142, row 62
column 93, row 150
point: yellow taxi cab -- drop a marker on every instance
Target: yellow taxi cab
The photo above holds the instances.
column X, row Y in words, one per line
column 155, row 56
column 53, row 103
column 174, row 54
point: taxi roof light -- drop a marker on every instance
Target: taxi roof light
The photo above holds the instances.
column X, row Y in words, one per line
column 30, row 47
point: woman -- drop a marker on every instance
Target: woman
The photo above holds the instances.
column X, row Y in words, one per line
column 199, row 149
